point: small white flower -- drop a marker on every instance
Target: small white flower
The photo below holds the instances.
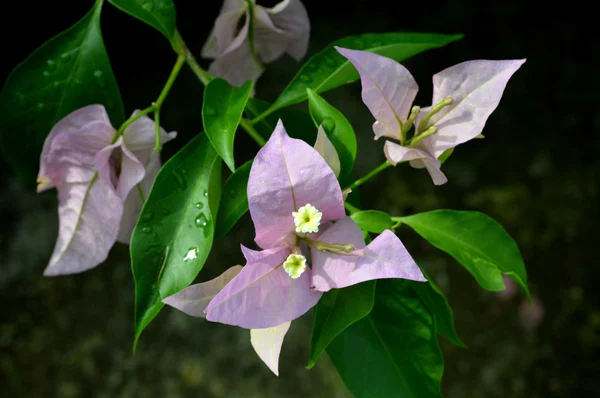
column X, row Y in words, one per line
column 307, row 219
column 295, row 265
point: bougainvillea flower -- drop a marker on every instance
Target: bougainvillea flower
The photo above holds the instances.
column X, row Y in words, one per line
column 296, row 205
column 464, row 96
column 101, row 181
column 194, row 299
column 265, row 35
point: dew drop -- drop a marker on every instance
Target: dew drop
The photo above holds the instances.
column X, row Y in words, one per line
column 147, row 230
column 164, row 8
column 51, row 65
column 100, row 78
column 46, row 73
column 201, row 221
column 205, row 193
column 210, row 111
column 305, row 79
column 328, row 124
column 330, row 61
column 199, row 205
column 180, row 181
column 147, row 5
column 65, row 57
column 191, row 254
column 147, row 217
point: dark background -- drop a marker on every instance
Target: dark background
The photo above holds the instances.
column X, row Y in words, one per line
column 536, row 172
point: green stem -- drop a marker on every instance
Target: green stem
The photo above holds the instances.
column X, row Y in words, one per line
column 129, row 121
column 423, row 124
column 263, row 115
column 165, row 91
column 206, row 77
column 370, row 175
column 398, row 222
column 247, row 125
column 200, row 73
column 352, row 209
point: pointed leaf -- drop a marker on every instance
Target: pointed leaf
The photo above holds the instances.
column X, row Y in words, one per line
column 160, row 14
column 393, row 351
column 222, row 111
column 476, row 241
column 298, row 123
column 327, row 69
column 372, row 220
column 174, row 233
column 436, row 303
column 338, row 309
column 338, row 129
column 234, row 203
column 68, row 72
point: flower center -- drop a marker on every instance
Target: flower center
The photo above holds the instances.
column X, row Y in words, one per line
column 307, row 219
column 295, row 265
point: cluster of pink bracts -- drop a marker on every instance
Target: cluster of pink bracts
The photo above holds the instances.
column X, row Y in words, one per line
column 295, row 200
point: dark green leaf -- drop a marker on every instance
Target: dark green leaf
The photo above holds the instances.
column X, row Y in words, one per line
column 336, row 310
column 436, row 302
column 160, row 14
column 298, row 124
column 174, row 234
column 67, row 72
column 328, row 69
column 372, row 220
column 393, row 351
column 337, row 127
column 222, row 110
column 234, row 202
column 476, row 241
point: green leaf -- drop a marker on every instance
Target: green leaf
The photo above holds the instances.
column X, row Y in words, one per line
column 298, row 124
column 222, row 110
column 234, row 203
column 372, row 220
column 476, row 241
column 336, row 310
column 68, row 72
column 337, row 127
column 438, row 306
column 174, row 234
column 328, row 69
column 160, row 14
column 393, row 351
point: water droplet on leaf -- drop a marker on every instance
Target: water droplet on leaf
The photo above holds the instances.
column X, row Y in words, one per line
column 191, row 254
column 330, row 61
column 100, row 78
column 147, row 217
column 205, row 193
column 199, row 205
column 147, row 230
column 305, row 79
column 328, row 124
column 65, row 57
column 210, row 111
column 51, row 65
column 180, row 180
column 201, row 221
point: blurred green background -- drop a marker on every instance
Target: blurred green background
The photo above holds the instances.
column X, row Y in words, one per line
column 536, row 172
